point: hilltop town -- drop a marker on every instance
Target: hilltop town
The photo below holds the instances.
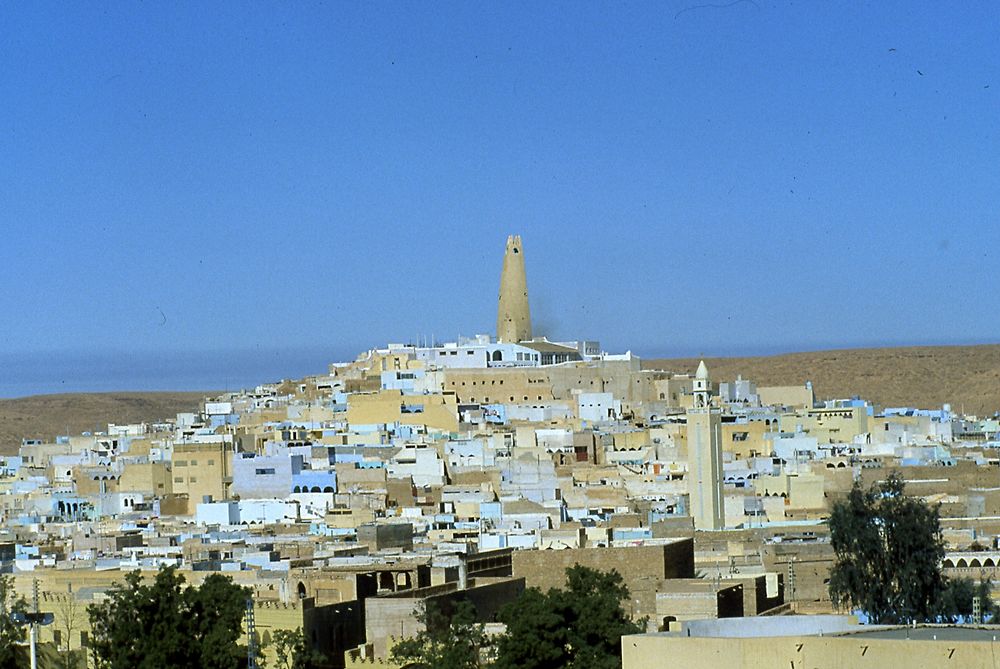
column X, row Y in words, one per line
column 476, row 468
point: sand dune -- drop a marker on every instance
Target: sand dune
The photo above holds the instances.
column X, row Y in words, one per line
column 45, row 416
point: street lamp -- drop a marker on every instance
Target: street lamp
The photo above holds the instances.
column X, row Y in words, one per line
column 33, row 619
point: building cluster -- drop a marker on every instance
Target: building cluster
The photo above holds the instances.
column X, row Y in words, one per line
column 477, row 468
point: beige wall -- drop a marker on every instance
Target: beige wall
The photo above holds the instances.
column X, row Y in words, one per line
column 807, row 652
column 744, row 440
column 640, row 566
column 621, row 379
column 201, row 469
column 439, row 411
column 790, row 396
column 153, row 478
column 828, row 425
column 803, row 491
column 674, row 390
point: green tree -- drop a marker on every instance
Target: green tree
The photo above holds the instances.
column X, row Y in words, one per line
column 888, row 554
column 292, row 651
column 454, row 641
column 164, row 625
column 956, row 603
column 578, row 627
column 536, row 636
column 11, row 633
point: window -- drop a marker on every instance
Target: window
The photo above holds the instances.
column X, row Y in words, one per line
column 266, row 471
column 181, row 463
column 84, row 639
column 211, row 463
column 178, row 479
column 193, row 479
column 57, row 637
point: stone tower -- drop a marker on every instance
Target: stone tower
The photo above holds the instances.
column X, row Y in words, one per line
column 704, row 443
column 513, row 316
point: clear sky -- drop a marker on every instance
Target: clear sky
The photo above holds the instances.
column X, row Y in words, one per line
column 687, row 177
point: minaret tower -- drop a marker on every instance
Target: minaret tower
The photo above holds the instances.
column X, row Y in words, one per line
column 704, row 442
column 513, row 316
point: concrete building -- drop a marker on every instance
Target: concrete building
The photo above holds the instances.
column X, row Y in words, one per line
column 817, row 642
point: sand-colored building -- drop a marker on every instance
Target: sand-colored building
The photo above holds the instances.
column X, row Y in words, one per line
column 439, row 412
column 201, row 470
column 813, row 642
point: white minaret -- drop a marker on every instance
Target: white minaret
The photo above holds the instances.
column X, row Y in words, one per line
column 704, row 437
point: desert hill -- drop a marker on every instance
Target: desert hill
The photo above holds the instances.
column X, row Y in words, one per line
column 921, row 376
column 45, row 416
column 967, row 377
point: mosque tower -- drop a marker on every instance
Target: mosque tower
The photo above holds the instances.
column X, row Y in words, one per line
column 704, row 443
column 513, row 316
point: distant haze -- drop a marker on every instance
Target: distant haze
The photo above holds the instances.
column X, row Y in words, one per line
column 43, row 373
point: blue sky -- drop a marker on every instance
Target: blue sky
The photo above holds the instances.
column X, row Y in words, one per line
column 687, row 178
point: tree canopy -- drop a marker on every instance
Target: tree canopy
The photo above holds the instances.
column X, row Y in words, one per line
column 10, row 632
column 956, row 604
column 454, row 641
column 164, row 625
column 291, row 650
column 889, row 552
column 580, row 626
column 577, row 627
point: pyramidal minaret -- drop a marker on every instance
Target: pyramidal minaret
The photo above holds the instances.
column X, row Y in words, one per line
column 513, row 316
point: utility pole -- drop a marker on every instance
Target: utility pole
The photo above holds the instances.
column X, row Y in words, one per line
column 33, row 628
column 33, row 620
column 251, row 636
